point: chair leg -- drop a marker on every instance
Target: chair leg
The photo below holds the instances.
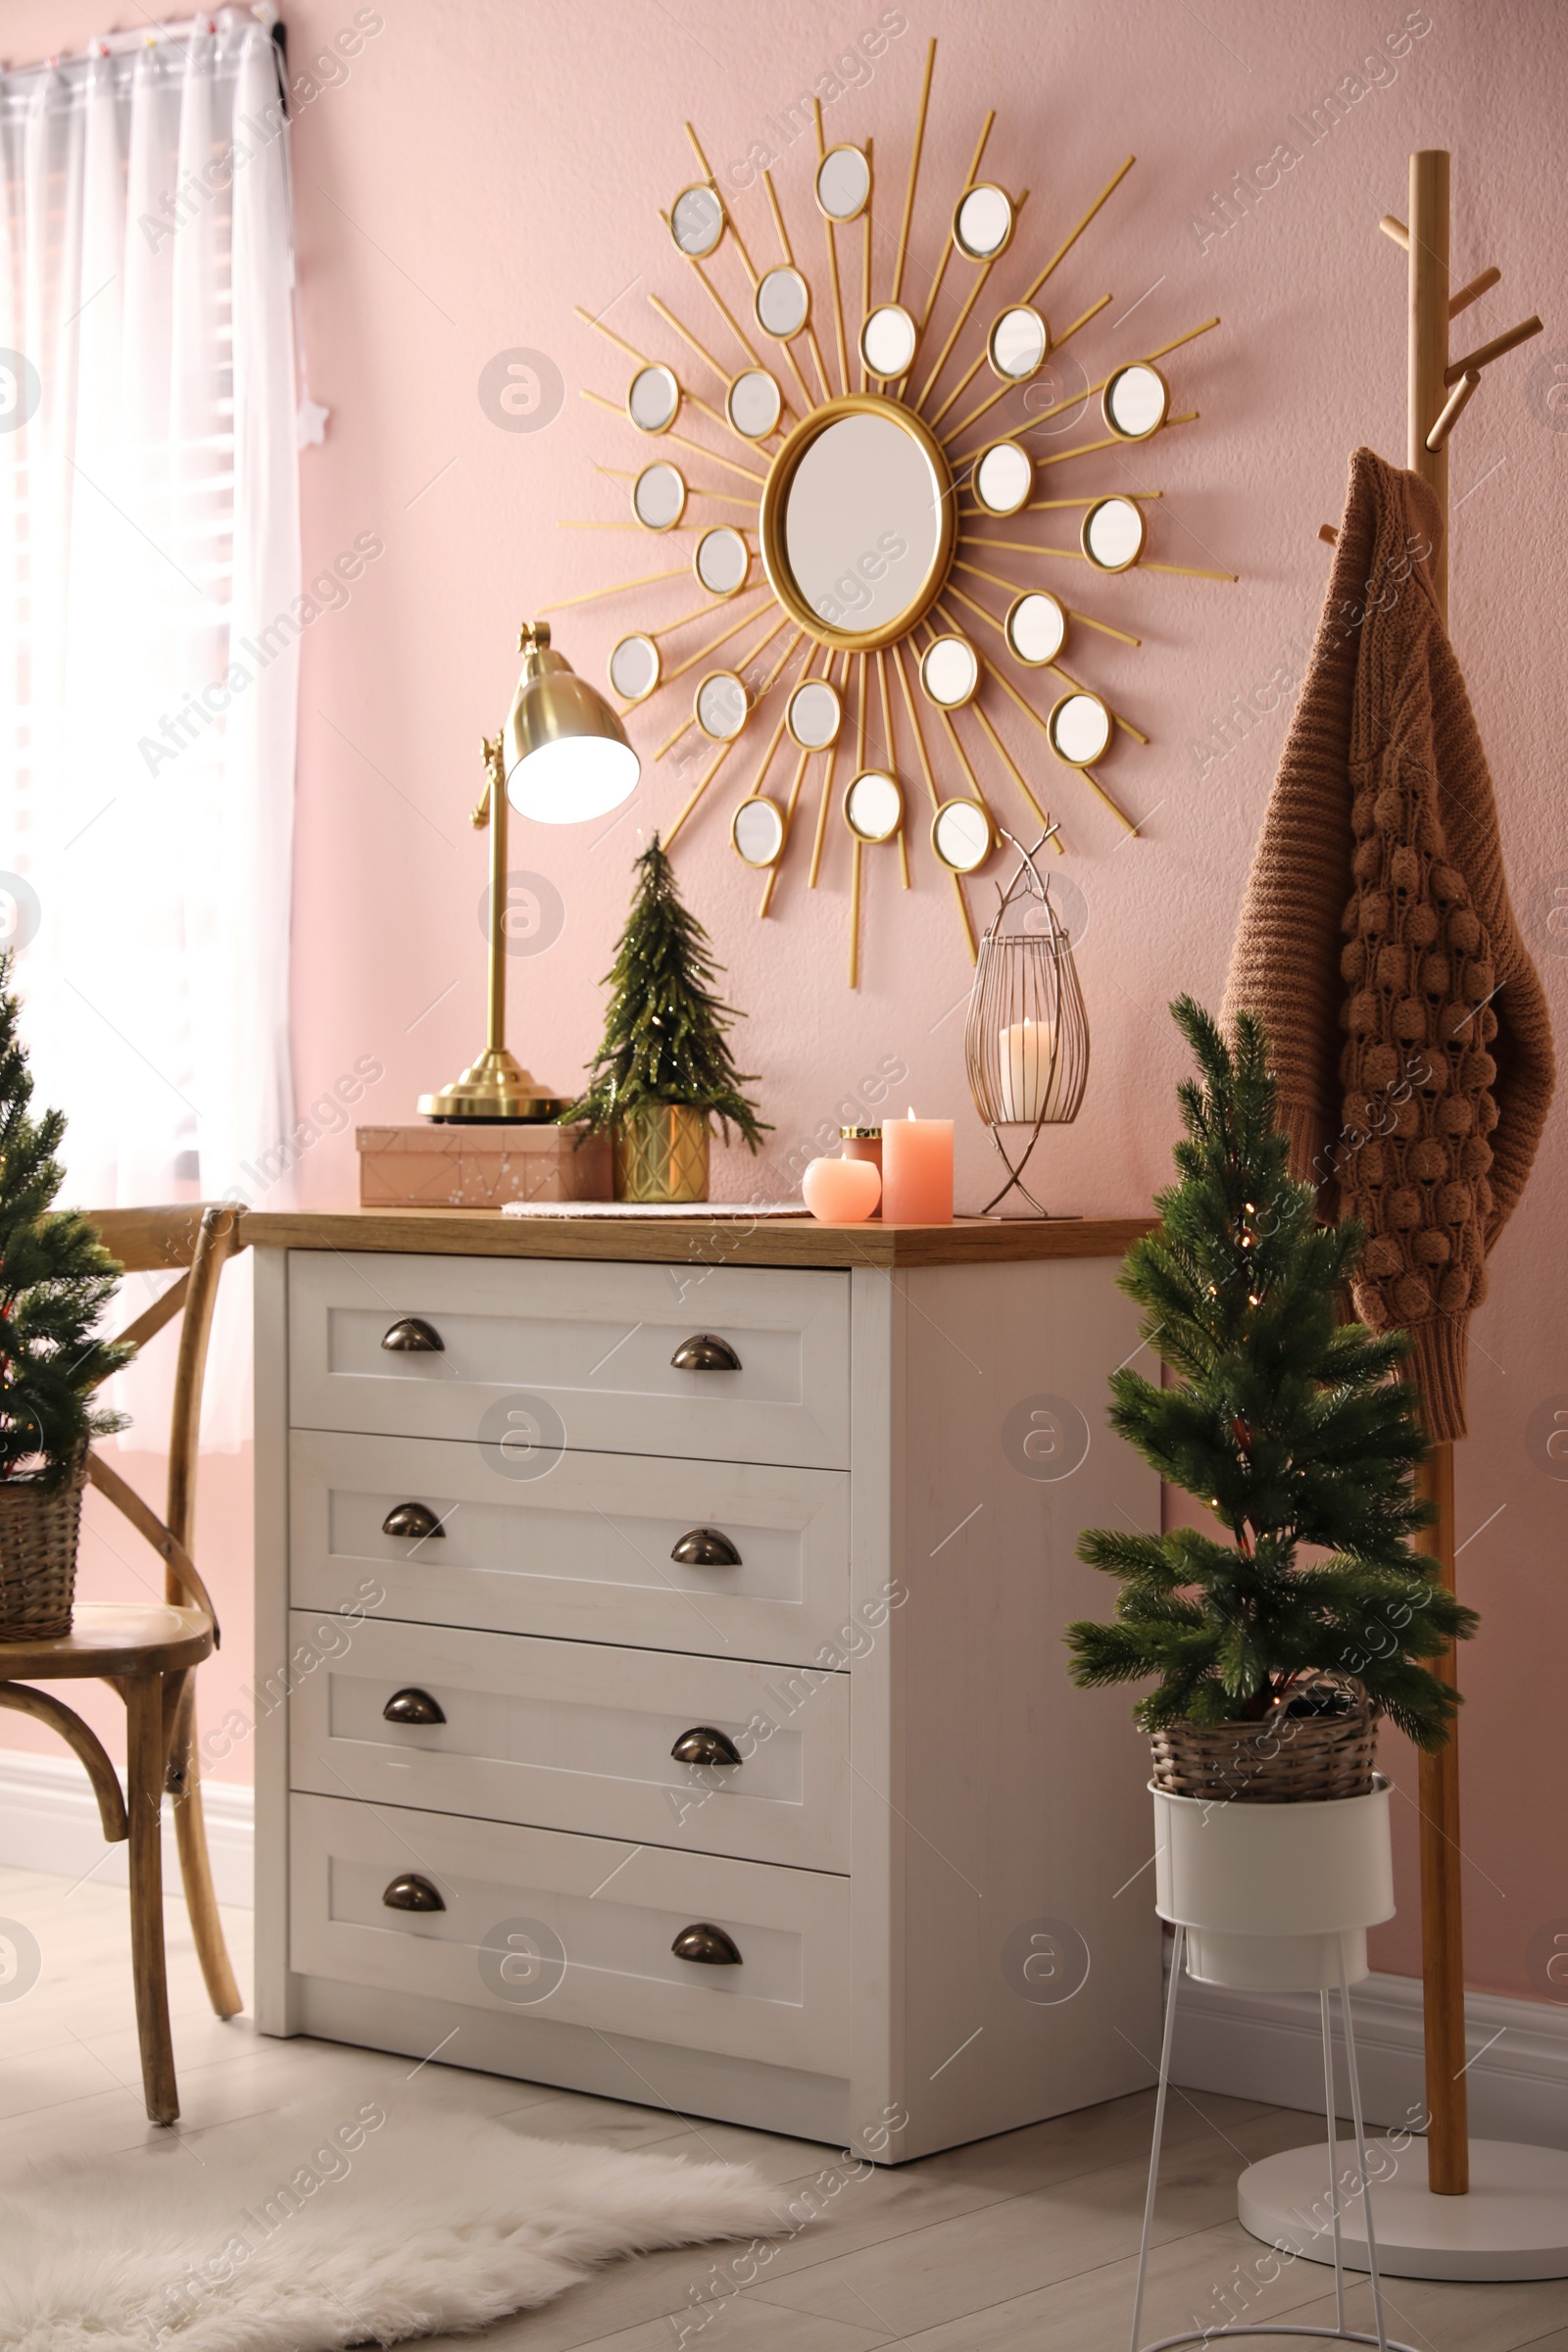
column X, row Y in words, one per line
column 195, row 1863
column 144, row 1792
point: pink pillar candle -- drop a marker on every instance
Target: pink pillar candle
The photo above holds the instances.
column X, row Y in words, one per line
column 918, row 1171
column 841, row 1192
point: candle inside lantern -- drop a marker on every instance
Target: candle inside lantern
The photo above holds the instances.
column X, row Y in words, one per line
column 918, row 1171
column 841, row 1192
column 1027, row 1051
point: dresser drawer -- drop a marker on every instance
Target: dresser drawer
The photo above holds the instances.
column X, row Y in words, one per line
column 528, row 1356
column 578, row 1736
column 576, row 1930
column 587, row 1551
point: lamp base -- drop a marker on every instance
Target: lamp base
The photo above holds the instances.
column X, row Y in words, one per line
column 497, row 1089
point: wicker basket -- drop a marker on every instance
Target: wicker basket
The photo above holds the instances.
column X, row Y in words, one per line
column 38, row 1532
column 1317, row 1742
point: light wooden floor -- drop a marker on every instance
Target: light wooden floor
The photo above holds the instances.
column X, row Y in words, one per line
column 1024, row 2241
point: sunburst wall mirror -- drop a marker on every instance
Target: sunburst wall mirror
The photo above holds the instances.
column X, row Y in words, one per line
column 842, row 506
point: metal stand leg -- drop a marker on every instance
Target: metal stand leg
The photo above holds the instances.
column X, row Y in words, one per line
column 1334, row 2158
column 1340, row 2332
column 1177, row 1956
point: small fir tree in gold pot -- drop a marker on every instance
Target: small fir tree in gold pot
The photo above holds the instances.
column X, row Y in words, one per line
column 665, row 1070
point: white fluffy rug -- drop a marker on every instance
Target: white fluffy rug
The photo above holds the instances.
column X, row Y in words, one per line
column 313, row 2229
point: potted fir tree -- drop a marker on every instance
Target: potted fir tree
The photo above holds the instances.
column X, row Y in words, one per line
column 664, row 1068
column 54, row 1280
column 1293, row 1428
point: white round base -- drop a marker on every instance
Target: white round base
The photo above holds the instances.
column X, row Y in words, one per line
column 1512, row 2225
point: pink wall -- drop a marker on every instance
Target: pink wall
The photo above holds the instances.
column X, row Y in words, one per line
column 481, row 168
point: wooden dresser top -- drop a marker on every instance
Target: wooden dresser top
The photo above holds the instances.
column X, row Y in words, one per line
column 699, row 1240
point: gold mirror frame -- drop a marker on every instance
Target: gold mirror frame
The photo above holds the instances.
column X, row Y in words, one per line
column 982, row 563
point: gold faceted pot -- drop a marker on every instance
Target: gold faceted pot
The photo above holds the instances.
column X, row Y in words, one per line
column 661, row 1153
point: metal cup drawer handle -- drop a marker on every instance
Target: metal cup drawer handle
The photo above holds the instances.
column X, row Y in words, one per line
column 702, row 1744
column 708, row 1943
column 412, row 1519
column 414, row 1893
column 706, row 1547
column 413, row 1706
column 410, row 1335
column 703, row 1352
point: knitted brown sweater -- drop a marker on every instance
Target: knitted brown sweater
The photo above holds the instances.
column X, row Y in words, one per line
column 1408, row 1029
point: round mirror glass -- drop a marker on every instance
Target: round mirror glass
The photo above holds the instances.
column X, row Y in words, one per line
column 652, row 399
column 1004, row 477
column 1017, row 345
column 982, row 226
column 886, row 340
column 753, row 404
column 856, row 535
column 634, row 668
column 873, row 806
column 722, row 560
column 783, row 303
column 961, row 835
column 758, row 831
column 844, row 182
column 721, row 705
column 949, row 671
column 1137, row 402
column 659, row 497
column 815, row 714
column 1079, row 728
column 697, row 221
column 1113, row 533
column 1037, row 627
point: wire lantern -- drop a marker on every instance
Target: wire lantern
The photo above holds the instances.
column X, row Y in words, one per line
column 1026, row 1041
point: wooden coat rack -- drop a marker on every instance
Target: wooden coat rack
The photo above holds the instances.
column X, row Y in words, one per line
column 1438, row 391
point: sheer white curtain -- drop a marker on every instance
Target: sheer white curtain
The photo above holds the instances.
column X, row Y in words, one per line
column 149, row 553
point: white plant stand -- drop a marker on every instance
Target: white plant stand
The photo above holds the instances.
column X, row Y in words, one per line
column 1277, row 1895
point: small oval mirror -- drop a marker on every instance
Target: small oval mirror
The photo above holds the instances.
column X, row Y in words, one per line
column 1036, row 626
column 722, row 560
column 1137, row 401
column 696, row 221
column 634, row 666
column 961, row 835
column 783, row 303
column 758, row 831
column 949, row 672
column 1079, row 727
column 815, row 714
column 755, row 403
column 982, row 226
column 1017, row 345
column 1004, row 476
column 873, row 806
column 1113, row 534
column 659, row 496
column 844, row 182
column 886, row 340
column 721, row 705
column 652, row 399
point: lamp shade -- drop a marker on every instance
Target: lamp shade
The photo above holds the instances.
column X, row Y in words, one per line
column 567, row 756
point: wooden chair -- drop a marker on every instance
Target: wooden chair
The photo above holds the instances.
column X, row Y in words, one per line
column 149, row 1652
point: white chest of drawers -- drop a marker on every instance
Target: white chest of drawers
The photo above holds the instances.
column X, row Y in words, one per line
column 511, row 1562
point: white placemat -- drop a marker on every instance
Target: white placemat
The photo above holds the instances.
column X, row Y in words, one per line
column 695, row 1210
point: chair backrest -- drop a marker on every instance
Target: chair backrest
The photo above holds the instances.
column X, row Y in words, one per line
column 201, row 1238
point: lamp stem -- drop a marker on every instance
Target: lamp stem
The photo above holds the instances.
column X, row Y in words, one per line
column 496, row 1035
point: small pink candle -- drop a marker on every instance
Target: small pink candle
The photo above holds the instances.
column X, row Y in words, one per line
column 841, row 1192
column 918, row 1171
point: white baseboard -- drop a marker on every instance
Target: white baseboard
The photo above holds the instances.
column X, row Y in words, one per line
column 49, row 1821
column 1266, row 2045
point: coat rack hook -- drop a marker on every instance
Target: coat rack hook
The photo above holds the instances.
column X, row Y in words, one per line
column 1486, row 353
column 1473, row 291
column 1396, row 231
column 1453, row 409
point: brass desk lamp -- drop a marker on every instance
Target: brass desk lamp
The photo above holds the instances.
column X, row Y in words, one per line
column 562, row 758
